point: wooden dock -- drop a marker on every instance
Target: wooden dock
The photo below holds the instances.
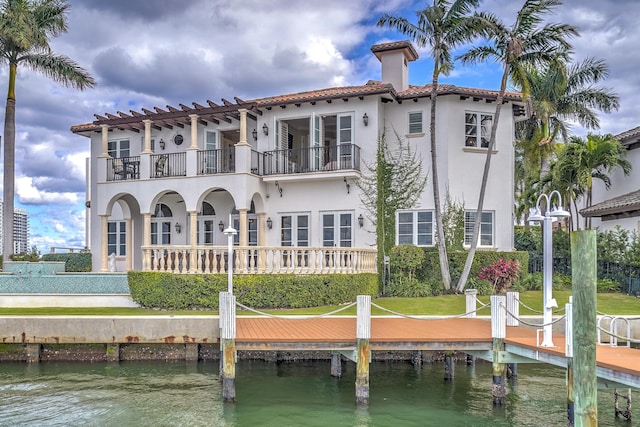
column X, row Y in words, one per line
column 615, row 364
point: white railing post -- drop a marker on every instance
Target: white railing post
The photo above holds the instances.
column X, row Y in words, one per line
column 513, row 308
column 363, row 334
column 498, row 317
column 470, row 302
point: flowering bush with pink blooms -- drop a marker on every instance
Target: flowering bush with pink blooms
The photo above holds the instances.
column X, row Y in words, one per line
column 501, row 273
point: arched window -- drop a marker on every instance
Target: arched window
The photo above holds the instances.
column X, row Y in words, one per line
column 206, row 224
column 162, row 211
column 160, row 228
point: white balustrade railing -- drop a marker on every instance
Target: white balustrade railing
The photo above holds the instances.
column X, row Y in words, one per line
column 184, row 259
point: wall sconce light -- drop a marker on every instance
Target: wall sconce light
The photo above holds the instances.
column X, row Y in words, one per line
column 360, row 220
column 221, row 226
column 255, row 135
column 365, row 119
column 347, row 184
column 178, row 228
column 265, row 129
column 162, row 144
column 269, row 223
column 279, row 188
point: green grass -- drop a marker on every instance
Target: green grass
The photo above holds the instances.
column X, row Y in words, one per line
column 446, row 305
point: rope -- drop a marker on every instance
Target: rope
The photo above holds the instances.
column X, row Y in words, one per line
column 619, row 317
column 535, row 325
column 537, row 311
column 316, row 316
column 629, row 339
column 408, row 316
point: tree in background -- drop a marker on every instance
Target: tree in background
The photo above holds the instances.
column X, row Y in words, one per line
column 395, row 181
column 526, row 44
column 25, row 29
column 443, row 26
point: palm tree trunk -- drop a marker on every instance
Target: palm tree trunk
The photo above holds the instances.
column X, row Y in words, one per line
column 9, row 166
column 442, row 248
column 483, row 186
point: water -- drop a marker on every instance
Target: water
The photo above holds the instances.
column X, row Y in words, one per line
column 284, row 394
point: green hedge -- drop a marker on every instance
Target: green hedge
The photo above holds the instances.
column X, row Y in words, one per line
column 76, row 262
column 201, row 291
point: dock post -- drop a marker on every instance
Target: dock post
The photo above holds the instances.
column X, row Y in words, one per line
column 583, row 273
column 228, row 344
column 113, row 352
column 513, row 313
column 416, row 358
column 363, row 334
column 470, row 302
column 336, row 365
column 449, row 367
column 568, row 352
column 498, row 332
column 33, row 353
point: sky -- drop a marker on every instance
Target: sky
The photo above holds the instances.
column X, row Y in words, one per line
column 146, row 53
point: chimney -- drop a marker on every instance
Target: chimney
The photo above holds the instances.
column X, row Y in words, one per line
column 395, row 57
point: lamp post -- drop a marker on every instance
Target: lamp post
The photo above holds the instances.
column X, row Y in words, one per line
column 552, row 212
column 230, row 232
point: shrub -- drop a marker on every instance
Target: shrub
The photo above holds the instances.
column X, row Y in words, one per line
column 76, row 262
column 607, row 285
column 201, row 291
column 501, row 274
column 405, row 260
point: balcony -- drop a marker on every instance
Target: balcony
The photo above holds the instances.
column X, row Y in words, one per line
column 228, row 160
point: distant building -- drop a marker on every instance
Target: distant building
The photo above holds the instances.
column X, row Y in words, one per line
column 20, row 230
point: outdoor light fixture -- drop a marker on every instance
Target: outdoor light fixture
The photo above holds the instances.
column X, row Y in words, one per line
column 221, row 226
column 178, row 227
column 551, row 213
column 162, row 144
column 360, row 220
column 255, row 135
column 269, row 223
column 365, row 119
column 265, row 129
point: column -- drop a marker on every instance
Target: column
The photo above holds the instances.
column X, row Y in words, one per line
column 228, row 344
column 363, row 335
column 193, row 241
column 147, row 137
column 146, row 241
column 105, row 141
column 262, row 229
column 243, row 236
column 243, row 126
column 194, row 132
column 104, row 255
column 129, row 245
column 499, row 333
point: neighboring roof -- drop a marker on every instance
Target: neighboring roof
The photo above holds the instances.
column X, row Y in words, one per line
column 404, row 45
column 626, row 205
column 172, row 116
column 635, row 132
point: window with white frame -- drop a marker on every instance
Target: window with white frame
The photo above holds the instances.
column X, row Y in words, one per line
column 119, row 148
column 294, row 230
column 486, row 228
column 414, row 227
column 337, row 229
column 153, row 144
column 415, row 122
column 206, row 228
column 161, row 225
column 117, row 238
column 477, row 129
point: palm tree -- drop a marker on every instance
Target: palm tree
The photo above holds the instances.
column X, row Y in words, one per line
column 527, row 43
column 25, row 29
column 581, row 161
column 443, row 26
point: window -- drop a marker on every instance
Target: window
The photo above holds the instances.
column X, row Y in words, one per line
column 477, row 129
column 117, row 238
column 486, row 228
column 415, row 228
column 211, row 140
column 294, row 230
column 160, row 228
column 415, row 122
column 337, row 229
column 153, row 144
column 206, row 227
column 118, row 148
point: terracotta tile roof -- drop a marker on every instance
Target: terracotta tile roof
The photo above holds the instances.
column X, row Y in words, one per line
column 629, row 134
column 406, row 45
column 621, row 204
column 446, row 89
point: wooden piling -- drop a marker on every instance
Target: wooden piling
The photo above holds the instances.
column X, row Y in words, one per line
column 449, row 367
column 113, row 352
column 336, row 365
column 583, row 272
column 416, row 358
column 498, row 332
column 228, row 346
column 33, row 353
column 363, row 334
column 625, row 414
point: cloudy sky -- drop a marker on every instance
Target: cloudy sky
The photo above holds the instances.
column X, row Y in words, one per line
column 146, row 53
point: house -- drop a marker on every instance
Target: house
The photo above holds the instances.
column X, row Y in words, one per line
column 620, row 204
column 164, row 184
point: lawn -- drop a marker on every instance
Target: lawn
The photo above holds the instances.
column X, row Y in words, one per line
column 446, row 305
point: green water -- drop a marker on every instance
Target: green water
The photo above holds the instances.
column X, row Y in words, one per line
column 284, row 394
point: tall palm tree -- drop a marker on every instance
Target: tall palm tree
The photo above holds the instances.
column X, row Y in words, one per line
column 581, row 161
column 443, row 26
column 527, row 43
column 25, row 29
